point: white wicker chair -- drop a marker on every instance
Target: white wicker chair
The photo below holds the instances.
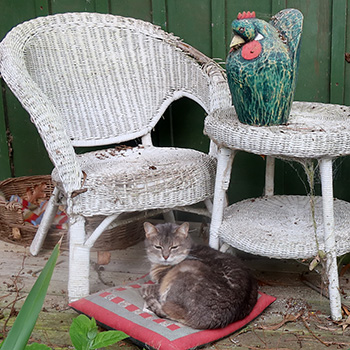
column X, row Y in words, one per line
column 90, row 79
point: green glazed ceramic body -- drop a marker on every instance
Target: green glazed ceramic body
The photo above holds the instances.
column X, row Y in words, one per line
column 262, row 69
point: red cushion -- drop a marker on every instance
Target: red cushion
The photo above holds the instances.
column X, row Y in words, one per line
column 121, row 308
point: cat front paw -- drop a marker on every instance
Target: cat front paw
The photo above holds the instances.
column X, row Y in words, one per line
column 150, row 295
column 150, row 291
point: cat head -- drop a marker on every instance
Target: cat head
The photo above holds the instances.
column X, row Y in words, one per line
column 167, row 244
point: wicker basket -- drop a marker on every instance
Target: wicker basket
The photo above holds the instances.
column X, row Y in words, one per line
column 11, row 220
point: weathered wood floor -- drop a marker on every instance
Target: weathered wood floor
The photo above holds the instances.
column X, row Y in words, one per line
column 299, row 319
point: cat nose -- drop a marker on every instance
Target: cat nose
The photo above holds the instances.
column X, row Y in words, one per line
column 165, row 256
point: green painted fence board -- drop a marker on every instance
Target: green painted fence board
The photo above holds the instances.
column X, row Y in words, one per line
column 313, row 80
column 347, row 64
column 63, row 6
column 102, row 6
column 41, row 8
column 140, row 9
column 338, row 51
column 278, row 5
column 218, row 38
column 159, row 13
column 5, row 166
column 29, row 154
column 14, row 12
column 191, row 21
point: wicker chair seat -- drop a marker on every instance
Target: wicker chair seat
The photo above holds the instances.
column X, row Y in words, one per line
column 142, row 178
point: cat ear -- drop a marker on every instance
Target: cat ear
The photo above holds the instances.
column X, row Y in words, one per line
column 183, row 229
column 150, row 229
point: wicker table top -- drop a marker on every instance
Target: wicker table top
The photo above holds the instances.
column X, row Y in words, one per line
column 314, row 130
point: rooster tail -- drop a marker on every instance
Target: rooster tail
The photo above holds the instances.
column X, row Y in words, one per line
column 289, row 24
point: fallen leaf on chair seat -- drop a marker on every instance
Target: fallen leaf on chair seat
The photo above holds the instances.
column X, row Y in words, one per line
column 77, row 192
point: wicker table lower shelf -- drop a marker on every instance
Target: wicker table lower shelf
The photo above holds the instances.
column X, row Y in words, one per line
column 282, row 227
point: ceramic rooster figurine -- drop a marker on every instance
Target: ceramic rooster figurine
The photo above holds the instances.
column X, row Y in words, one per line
column 262, row 66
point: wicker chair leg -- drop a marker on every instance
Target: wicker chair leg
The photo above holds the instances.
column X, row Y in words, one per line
column 169, row 216
column 45, row 224
column 79, row 260
column 209, row 205
column 329, row 239
column 223, row 174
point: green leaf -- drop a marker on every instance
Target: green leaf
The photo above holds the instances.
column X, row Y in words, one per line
column 23, row 326
column 36, row 346
column 107, row 338
column 92, row 333
column 84, row 334
column 79, row 330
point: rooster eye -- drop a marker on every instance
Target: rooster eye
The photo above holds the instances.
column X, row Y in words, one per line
column 241, row 30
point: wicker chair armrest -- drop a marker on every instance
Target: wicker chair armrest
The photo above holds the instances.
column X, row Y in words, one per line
column 219, row 92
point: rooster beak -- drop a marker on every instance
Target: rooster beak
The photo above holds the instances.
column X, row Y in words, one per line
column 236, row 42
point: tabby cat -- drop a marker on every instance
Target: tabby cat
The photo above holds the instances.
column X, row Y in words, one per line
column 195, row 284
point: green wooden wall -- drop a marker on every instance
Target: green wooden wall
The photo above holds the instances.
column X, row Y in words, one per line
column 323, row 76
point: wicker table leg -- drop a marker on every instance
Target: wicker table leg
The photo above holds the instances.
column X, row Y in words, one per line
column 329, row 239
column 222, row 181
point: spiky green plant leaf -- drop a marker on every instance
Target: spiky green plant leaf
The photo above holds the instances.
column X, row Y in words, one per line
column 23, row 326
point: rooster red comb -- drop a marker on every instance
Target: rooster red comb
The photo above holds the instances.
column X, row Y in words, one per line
column 246, row 15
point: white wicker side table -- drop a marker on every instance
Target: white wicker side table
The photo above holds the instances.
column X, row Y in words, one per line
column 283, row 226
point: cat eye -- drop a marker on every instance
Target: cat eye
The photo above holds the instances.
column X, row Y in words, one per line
column 157, row 247
column 174, row 247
